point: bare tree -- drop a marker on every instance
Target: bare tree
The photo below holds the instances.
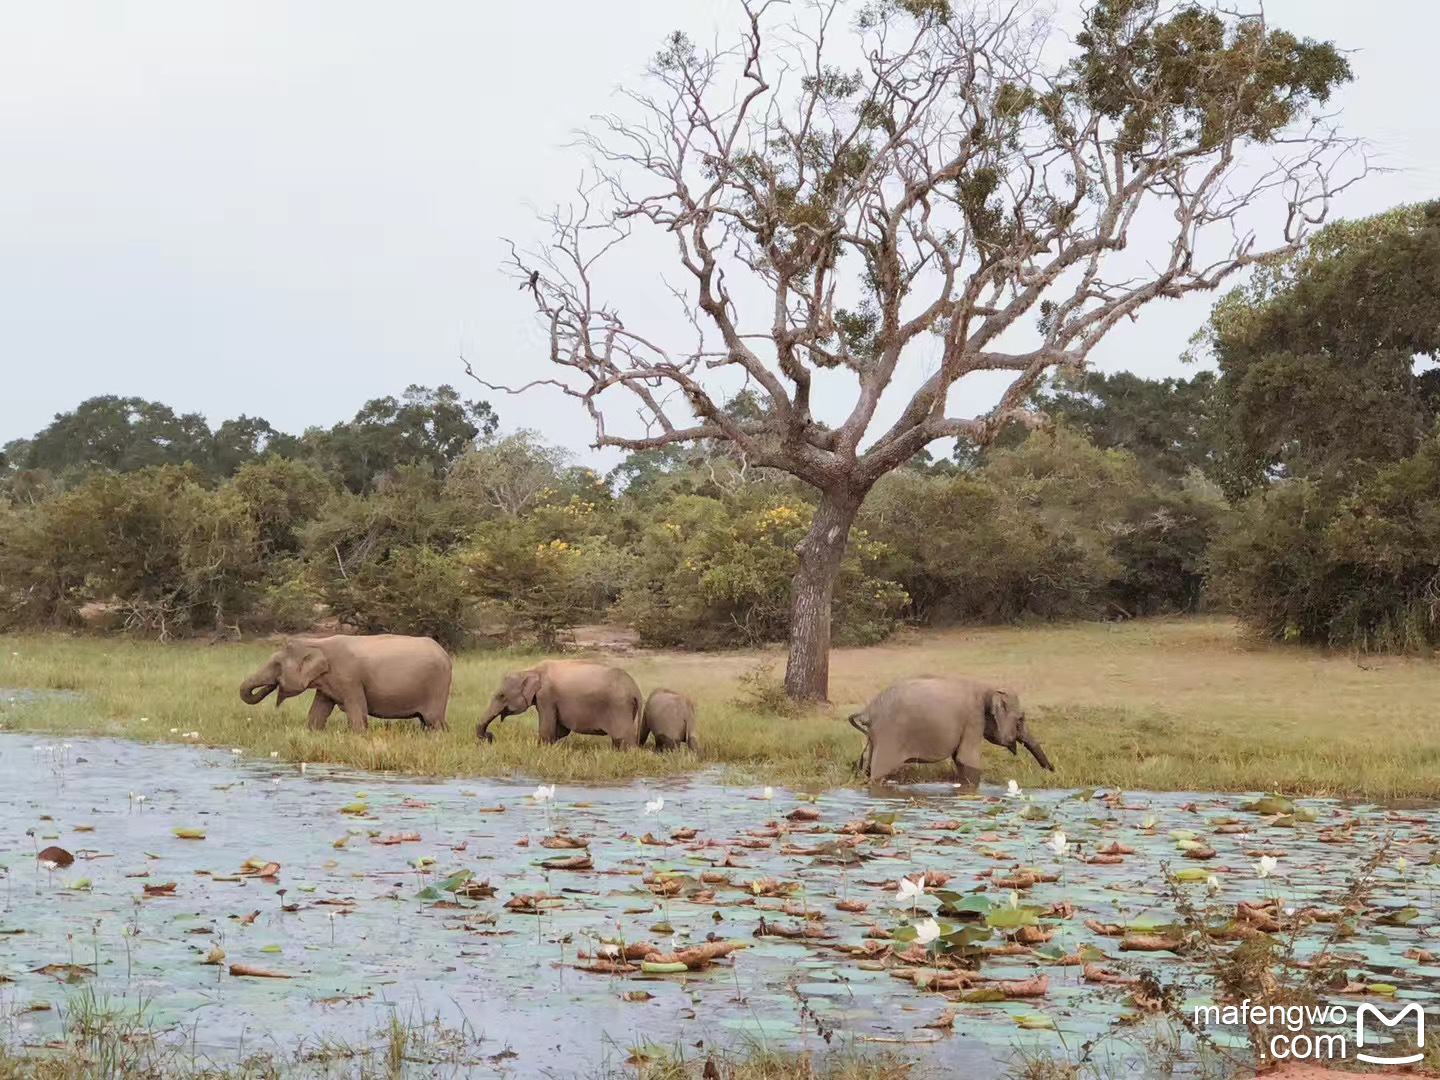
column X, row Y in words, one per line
column 878, row 196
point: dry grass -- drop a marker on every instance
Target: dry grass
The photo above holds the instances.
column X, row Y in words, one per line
column 1176, row 704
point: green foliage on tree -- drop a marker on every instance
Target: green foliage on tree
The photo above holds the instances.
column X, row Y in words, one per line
column 1333, row 417
column 1318, row 353
column 425, row 427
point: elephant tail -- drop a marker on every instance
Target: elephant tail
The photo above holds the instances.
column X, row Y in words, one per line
column 637, row 705
column 860, row 723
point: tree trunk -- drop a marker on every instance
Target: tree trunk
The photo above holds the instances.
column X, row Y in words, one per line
column 807, row 675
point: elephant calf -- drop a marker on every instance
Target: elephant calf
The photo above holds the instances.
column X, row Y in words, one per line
column 570, row 695
column 388, row 676
column 931, row 718
column 670, row 717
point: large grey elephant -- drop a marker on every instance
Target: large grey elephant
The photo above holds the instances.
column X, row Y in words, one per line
column 670, row 717
column 931, row 718
column 570, row 695
column 388, row 676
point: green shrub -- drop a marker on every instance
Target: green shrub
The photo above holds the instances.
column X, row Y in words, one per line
column 715, row 573
column 1357, row 569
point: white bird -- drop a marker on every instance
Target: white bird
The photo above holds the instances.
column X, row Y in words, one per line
column 543, row 793
column 655, row 805
column 1012, row 789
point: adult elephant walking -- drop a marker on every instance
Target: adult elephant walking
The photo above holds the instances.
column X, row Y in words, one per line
column 570, row 695
column 931, row 718
column 387, row 676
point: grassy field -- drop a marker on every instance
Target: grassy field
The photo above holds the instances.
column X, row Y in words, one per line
column 1175, row 704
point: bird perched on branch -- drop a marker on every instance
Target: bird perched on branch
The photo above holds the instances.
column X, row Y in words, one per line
column 533, row 284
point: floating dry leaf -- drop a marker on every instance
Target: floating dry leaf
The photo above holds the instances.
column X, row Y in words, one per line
column 247, row 972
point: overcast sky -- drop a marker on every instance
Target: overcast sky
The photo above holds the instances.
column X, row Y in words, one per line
column 284, row 209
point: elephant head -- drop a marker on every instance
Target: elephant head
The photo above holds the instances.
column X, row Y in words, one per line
column 1003, row 717
column 1005, row 726
column 516, row 695
column 291, row 670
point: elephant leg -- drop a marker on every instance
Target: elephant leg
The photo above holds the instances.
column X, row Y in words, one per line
column 693, row 744
column 967, row 755
column 552, row 727
column 663, row 742
column 357, row 710
column 434, row 717
column 883, row 762
column 969, row 775
column 320, row 710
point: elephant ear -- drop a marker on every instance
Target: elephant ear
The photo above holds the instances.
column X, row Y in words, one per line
column 530, row 686
column 313, row 664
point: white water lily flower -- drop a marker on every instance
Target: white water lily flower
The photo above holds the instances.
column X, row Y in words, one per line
column 139, row 798
column 909, row 890
column 48, row 865
column 1401, row 864
column 1014, row 900
column 1012, row 789
column 655, row 805
column 543, row 793
column 303, row 766
column 768, row 793
column 1266, row 866
column 1213, row 884
column 927, row 931
column 1057, row 842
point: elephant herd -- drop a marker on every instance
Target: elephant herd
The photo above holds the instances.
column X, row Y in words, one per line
column 393, row 677
column 925, row 718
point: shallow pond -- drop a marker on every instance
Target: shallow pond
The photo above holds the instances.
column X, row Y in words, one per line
column 372, row 896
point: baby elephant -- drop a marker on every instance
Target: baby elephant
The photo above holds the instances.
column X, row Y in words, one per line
column 931, row 718
column 670, row 717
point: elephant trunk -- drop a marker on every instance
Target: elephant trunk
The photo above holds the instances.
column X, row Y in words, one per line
column 482, row 729
column 1037, row 753
column 253, row 691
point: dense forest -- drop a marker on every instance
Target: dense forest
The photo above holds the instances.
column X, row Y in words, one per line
column 1297, row 485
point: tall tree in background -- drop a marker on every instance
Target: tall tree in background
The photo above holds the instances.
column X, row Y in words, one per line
column 424, row 427
column 1319, row 352
column 430, row 428
column 888, row 199
column 118, row 434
